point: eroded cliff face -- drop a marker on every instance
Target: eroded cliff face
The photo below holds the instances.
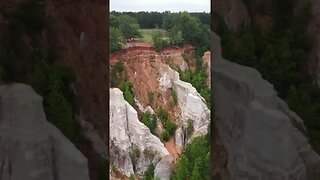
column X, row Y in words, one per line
column 76, row 32
column 233, row 12
column 31, row 147
column 127, row 133
column 192, row 106
column 237, row 12
column 80, row 38
column 257, row 135
column 150, row 73
column 314, row 29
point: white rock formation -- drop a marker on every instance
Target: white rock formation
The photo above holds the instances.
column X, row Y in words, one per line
column 164, row 168
column 30, row 147
column 140, row 106
column 125, row 130
column 190, row 102
column 92, row 134
column 261, row 136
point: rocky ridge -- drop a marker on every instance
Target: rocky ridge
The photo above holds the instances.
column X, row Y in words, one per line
column 127, row 131
column 31, row 147
column 191, row 103
column 261, row 138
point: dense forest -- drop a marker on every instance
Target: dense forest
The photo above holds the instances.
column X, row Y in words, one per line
column 148, row 20
column 280, row 55
column 181, row 28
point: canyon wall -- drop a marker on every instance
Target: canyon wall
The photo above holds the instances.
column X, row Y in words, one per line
column 256, row 135
column 81, row 39
column 127, row 133
column 31, row 147
column 74, row 34
column 238, row 12
column 150, row 73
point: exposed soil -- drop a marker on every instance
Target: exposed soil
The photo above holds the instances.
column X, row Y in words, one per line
column 172, row 149
column 143, row 66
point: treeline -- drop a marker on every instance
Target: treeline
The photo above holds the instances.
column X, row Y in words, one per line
column 183, row 28
column 280, row 55
column 150, row 20
column 179, row 28
column 121, row 28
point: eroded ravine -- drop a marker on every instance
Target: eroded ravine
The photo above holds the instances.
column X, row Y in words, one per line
column 150, row 73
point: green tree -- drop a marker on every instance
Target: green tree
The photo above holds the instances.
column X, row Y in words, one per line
column 182, row 170
column 129, row 26
column 149, row 173
column 114, row 21
column 115, row 39
column 175, row 36
column 190, row 128
column 195, row 175
column 59, row 112
column 159, row 40
column 150, row 120
column 165, row 136
column 58, row 100
column 127, row 89
column 194, row 161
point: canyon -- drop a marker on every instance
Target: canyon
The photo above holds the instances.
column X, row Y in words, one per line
column 149, row 73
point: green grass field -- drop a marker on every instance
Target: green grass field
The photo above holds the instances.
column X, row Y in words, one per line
column 147, row 35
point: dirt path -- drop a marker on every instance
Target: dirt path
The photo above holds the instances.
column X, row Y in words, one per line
column 171, row 147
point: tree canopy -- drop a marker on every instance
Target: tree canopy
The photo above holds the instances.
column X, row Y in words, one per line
column 183, row 27
column 150, row 20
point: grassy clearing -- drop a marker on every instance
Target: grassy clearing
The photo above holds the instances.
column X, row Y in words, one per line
column 147, row 35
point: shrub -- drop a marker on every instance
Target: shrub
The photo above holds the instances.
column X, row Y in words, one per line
column 170, row 62
column 149, row 174
column 174, row 95
column 186, row 58
column 168, row 125
column 127, row 89
column 149, row 153
column 150, row 120
column 115, row 39
column 150, row 97
column 165, row 136
column 190, row 127
column 158, row 40
column 131, row 177
column 163, row 115
column 134, row 153
column 194, row 161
